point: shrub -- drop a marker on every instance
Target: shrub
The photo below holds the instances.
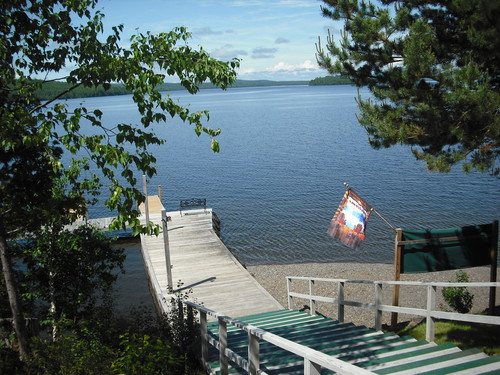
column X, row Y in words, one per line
column 459, row 298
column 142, row 354
column 71, row 354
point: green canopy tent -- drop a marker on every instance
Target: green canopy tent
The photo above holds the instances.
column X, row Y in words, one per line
column 446, row 249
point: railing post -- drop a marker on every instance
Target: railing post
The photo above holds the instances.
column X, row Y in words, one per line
column 190, row 321
column 166, row 246
column 288, row 287
column 398, row 249
column 180, row 315
column 378, row 301
column 431, row 305
column 145, row 190
column 253, row 354
column 204, row 340
column 224, row 368
column 340, row 312
column 312, row 302
column 493, row 266
column 311, row 368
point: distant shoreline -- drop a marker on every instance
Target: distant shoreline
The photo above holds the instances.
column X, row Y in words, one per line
column 52, row 89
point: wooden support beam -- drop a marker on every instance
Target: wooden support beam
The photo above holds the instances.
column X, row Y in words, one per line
column 431, row 306
column 493, row 269
column 224, row 366
column 397, row 274
column 340, row 311
column 253, row 354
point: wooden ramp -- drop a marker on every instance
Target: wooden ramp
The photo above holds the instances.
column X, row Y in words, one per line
column 375, row 351
column 202, row 263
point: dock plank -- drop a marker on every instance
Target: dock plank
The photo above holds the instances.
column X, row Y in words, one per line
column 202, row 263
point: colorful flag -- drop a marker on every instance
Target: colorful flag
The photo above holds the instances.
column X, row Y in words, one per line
column 349, row 222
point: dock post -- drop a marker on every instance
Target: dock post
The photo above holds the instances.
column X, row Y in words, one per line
column 224, row 365
column 253, row 354
column 430, row 321
column 398, row 249
column 167, row 250
column 340, row 307
column 204, row 340
column 378, row 302
column 493, row 267
column 145, row 190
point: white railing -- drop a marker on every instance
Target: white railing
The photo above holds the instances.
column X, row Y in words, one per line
column 313, row 359
column 430, row 313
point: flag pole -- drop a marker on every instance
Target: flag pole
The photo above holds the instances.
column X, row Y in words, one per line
column 384, row 219
column 397, row 261
column 374, row 210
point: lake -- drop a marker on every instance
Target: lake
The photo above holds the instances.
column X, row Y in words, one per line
column 278, row 179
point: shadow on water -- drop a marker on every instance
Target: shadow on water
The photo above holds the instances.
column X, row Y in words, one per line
column 131, row 288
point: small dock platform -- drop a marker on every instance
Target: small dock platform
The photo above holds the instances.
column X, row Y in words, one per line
column 202, row 263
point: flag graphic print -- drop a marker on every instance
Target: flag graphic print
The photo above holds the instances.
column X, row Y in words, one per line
column 349, row 222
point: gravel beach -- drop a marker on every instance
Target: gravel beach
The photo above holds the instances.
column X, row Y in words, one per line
column 272, row 278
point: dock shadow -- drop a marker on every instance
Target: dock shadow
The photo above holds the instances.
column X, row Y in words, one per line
column 186, row 287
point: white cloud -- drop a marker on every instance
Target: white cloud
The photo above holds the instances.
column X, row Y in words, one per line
column 281, row 41
column 227, row 52
column 207, row 31
column 284, row 72
column 246, row 71
column 263, row 53
column 306, row 66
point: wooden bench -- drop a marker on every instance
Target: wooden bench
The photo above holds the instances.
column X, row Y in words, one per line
column 192, row 203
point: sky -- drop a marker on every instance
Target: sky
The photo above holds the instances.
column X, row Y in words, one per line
column 275, row 39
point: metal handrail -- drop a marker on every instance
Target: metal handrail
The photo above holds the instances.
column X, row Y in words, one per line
column 430, row 313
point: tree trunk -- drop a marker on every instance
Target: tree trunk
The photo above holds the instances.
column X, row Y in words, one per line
column 14, row 298
column 53, row 305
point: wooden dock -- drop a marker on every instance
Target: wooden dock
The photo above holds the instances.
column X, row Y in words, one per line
column 202, row 263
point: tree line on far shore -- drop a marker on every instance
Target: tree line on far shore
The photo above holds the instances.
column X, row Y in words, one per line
column 52, row 89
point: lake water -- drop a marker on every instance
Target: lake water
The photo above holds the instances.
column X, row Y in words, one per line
column 278, row 179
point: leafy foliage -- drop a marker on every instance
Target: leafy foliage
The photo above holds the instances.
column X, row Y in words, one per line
column 139, row 343
column 433, row 70
column 458, row 297
column 54, row 160
column 41, row 38
column 71, row 271
column 72, row 353
column 142, row 354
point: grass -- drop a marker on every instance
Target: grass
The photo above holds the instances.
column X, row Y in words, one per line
column 464, row 335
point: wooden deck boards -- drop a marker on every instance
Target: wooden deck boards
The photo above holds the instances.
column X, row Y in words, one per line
column 201, row 262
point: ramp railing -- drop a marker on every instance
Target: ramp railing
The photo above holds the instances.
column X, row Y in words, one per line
column 313, row 359
column 431, row 313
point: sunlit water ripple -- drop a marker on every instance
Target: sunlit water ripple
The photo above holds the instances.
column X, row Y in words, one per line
column 285, row 152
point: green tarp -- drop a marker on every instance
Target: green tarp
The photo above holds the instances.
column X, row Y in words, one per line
column 446, row 249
